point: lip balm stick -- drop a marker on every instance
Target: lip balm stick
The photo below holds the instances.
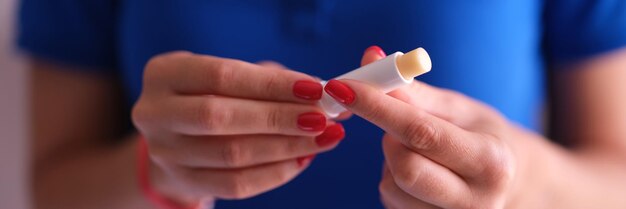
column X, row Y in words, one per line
column 387, row 74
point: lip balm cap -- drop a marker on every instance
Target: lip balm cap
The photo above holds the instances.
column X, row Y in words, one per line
column 414, row 63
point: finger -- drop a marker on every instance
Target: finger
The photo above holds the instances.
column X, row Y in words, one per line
column 272, row 64
column 418, row 130
column 394, row 197
column 213, row 115
column 239, row 151
column 188, row 73
column 343, row 116
column 422, row 178
column 372, row 54
column 242, row 183
column 449, row 105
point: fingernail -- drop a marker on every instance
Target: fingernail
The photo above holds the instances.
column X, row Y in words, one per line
column 309, row 90
column 331, row 135
column 303, row 161
column 312, row 121
column 340, row 91
column 377, row 49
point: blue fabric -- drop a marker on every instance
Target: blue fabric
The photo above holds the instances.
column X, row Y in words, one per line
column 76, row 32
column 495, row 51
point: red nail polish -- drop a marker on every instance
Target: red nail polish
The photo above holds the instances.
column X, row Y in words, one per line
column 340, row 92
column 312, row 121
column 309, row 90
column 303, row 161
column 331, row 135
column 377, row 49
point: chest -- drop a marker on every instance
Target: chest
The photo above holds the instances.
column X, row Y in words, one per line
column 484, row 48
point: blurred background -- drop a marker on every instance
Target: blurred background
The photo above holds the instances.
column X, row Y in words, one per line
column 13, row 140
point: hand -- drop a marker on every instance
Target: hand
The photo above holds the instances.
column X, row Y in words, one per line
column 442, row 149
column 229, row 129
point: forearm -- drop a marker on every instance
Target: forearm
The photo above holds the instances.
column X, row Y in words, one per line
column 589, row 115
column 555, row 177
column 594, row 179
column 94, row 178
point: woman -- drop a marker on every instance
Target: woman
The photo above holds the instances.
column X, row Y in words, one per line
column 219, row 123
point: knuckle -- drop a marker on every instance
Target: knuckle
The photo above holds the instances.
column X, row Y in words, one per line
column 383, row 190
column 220, row 74
column 421, row 180
column 144, row 117
column 451, row 95
column 407, row 178
column 160, row 154
column 295, row 146
column 223, row 69
column 272, row 119
column 160, row 60
column 282, row 177
column 154, row 65
column 236, row 187
column 159, row 68
column 385, row 186
column 156, row 61
column 233, row 154
column 138, row 115
column 212, row 116
column 454, row 97
column 498, row 170
column 192, row 180
column 422, row 134
column 451, row 106
column 272, row 85
column 374, row 111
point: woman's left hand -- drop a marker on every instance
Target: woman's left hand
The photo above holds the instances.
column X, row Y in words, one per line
column 442, row 149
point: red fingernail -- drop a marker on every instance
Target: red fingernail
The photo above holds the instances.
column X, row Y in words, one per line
column 377, row 49
column 303, row 161
column 331, row 135
column 340, row 91
column 309, row 90
column 312, row 121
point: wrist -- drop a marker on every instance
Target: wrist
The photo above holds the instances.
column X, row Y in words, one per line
column 163, row 185
column 537, row 165
column 153, row 186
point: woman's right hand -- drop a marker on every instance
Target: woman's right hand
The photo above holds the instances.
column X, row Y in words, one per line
column 228, row 129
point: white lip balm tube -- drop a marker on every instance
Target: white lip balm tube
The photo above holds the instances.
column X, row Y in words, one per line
column 387, row 74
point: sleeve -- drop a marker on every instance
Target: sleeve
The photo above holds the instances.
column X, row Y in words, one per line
column 576, row 29
column 77, row 32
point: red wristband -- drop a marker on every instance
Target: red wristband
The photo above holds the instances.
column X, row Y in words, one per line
column 143, row 176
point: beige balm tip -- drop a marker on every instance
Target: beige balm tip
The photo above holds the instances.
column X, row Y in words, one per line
column 413, row 63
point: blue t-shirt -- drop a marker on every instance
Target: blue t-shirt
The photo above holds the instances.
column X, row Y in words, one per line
column 495, row 51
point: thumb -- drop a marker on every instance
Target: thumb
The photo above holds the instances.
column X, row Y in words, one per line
column 372, row 54
column 449, row 105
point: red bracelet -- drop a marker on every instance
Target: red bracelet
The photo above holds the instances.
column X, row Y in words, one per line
column 143, row 175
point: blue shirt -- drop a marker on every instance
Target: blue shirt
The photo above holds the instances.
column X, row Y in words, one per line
column 494, row 51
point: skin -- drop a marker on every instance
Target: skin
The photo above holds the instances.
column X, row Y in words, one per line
column 438, row 145
column 223, row 128
column 435, row 137
column 215, row 128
